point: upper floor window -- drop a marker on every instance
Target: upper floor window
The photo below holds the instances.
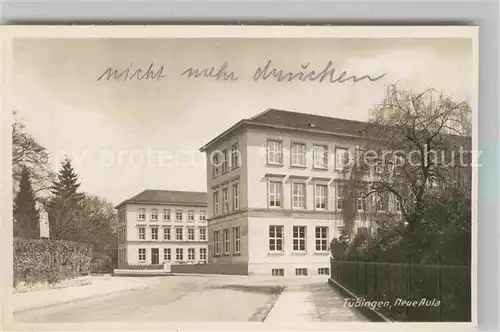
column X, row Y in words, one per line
column 341, row 158
column 154, row 233
column 274, row 152
column 225, row 161
column 298, row 154
column 216, row 203
column 320, row 156
column 141, row 214
column 154, row 214
column 235, row 155
column 320, row 196
column 141, row 233
column 166, row 234
column 203, row 234
column 166, row 215
column 361, row 201
column 190, row 234
column 178, row 234
column 203, row 215
column 299, row 195
column 191, row 215
column 340, row 197
column 178, row 215
column 225, row 200
column 397, row 203
column 275, row 193
column 236, row 196
column 215, row 164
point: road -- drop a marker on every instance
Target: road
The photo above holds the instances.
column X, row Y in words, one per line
column 181, row 299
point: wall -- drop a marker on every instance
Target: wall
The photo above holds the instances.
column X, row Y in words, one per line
column 132, row 250
column 237, row 220
column 229, row 269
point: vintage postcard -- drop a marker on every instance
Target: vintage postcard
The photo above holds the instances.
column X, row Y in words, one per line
column 230, row 178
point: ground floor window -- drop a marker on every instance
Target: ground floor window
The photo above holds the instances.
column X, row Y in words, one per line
column 300, row 272
column 278, row 272
column 142, row 255
column 203, row 254
column 167, row 254
column 323, row 271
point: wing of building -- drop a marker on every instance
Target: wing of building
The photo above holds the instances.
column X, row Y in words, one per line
column 162, row 226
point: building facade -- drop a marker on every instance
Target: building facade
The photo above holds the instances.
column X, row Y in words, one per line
column 162, row 226
column 275, row 192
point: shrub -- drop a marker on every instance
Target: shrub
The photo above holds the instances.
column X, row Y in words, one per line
column 48, row 261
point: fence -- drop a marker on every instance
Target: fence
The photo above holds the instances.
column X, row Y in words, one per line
column 440, row 292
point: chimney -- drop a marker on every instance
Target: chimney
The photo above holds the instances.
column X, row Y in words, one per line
column 311, row 125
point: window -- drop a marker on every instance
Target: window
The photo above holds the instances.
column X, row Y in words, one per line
column 191, row 254
column 225, row 200
column 378, row 167
column 154, row 214
column 236, row 240
column 166, row 215
column 141, row 233
column 397, row 203
column 274, row 152
column 217, row 242
column 299, row 238
column 216, row 203
column 278, row 272
column 298, row 154
column 235, row 155
column 190, row 234
column 190, row 215
column 141, row 214
column 142, row 254
column 203, row 215
column 154, row 233
column 398, row 164
column 203, row 234
column 167, row 254
column 381, row 202
column 166, row 234
column 236, row 197
column 300, row 272
column 225, row 161
column 323, row 271
column 275, row 190
column 341, row 158
column 178, row 215
column 363, row 230
column 299, row 195
column 275, row 238
column 321, row 238
column 203, row 254
column 225, row 239
column 179, row 255
column 320, row 156
column 361, row 202
column 215, row 164
column 340, row 197
column 320, row 197
column 178, row 234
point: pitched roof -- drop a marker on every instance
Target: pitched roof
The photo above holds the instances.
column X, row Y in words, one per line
column 299, row 121
column 151, row 196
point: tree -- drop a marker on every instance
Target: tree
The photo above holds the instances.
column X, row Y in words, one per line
column 27, row 222
column 417, row 148
column 65, row 198
column 28, row 153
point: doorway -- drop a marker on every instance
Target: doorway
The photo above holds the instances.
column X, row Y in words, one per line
column 155, row 256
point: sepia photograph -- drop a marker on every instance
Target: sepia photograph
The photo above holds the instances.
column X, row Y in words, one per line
column 264, row 175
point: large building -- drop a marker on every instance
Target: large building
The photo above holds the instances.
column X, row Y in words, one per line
column 162, row 226
column 274, row 192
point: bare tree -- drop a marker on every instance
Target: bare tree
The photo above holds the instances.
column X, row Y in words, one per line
column 417, row 145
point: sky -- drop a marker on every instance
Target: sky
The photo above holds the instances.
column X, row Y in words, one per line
column 127, row 136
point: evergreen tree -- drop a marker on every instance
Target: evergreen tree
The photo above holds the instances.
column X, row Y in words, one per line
column 27, row 222
column 65, row 199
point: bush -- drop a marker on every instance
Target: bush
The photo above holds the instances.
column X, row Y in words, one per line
column 49, row 261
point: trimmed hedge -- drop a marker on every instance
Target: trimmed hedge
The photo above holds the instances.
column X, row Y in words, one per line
column 49, row 261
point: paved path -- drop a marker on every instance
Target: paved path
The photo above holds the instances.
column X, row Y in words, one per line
column 309, row 303
column 205, row 299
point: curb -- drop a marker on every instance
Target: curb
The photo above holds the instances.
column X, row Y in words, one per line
column 43, row 306
column 371, row 314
